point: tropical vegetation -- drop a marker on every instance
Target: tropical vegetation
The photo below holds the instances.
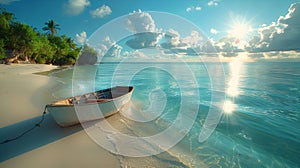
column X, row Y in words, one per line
column 20, row 42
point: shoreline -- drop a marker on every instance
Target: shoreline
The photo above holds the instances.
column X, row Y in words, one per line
column 76, row 149
column 23, row 97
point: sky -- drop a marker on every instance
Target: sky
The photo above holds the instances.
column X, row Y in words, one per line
column 261, row 29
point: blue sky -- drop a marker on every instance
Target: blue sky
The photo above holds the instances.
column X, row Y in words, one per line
column 218, row 19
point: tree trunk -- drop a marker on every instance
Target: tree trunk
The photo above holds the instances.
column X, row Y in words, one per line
column 10, row 60
column 14, row 58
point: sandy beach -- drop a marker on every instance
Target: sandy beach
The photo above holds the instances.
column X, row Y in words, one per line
column 23, row 96
column 50, row 145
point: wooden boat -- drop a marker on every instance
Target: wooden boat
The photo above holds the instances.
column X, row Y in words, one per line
column 89, row 106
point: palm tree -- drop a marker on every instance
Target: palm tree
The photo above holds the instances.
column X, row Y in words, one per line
column 51, row 27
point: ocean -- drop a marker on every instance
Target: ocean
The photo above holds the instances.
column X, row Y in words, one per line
column 260, row 116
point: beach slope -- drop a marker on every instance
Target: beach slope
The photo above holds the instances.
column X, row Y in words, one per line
column 23, row 96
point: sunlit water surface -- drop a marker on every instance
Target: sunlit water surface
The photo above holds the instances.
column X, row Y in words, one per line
column 260, row 126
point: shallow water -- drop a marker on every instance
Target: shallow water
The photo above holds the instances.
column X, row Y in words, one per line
column 260, row 129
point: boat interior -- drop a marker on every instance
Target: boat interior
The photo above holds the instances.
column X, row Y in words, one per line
column 94, row 97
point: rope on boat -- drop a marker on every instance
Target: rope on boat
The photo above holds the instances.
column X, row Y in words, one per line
column 38, row 124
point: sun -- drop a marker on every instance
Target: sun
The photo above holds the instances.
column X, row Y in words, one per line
column 240, row 30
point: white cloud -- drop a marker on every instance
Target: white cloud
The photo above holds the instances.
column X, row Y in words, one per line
column 145, row 33
column 135, row 54
column 198, row 8
column 173, row 42
column 225, row 44
column 228, row 46
column 75, row 7
column 213, row 3
column 101, row 12
column 189, row 45
column 6, row 2
column 108, row 48
column 189, row 9
column 194, row 40
column 138, row 22
column 172, row 37
column 213, row 31
column 281, row 35
column 81, row 38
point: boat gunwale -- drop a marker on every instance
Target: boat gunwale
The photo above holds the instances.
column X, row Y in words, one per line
column 86, row 104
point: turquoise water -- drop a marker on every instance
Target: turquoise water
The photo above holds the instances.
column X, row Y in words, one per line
column 262, row 129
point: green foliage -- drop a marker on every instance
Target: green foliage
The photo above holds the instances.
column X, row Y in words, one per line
column 2, row 50
column 66, row 53
column 21, row 41
column 44, row 51
column 5, row 19
column 27, row 44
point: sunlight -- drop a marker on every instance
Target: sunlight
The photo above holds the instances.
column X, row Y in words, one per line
column 233, row 83
column 240, row 31
column 228, row 107
column 235, row 68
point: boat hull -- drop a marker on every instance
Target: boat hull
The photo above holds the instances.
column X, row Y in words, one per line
column 68, row 115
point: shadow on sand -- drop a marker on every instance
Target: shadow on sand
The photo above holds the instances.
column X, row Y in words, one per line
column 47, row 133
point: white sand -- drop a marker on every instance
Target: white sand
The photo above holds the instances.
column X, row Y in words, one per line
column 23, row 96
column 75, row 151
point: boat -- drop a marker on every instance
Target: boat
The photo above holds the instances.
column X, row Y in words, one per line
column 89, row 106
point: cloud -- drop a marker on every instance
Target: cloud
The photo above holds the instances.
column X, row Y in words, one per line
column 75, row 7
column 114, row 51
column 145, row 33
column 257, row 55
column 281, row 35
column 174, row 43
column 213, row 31
column 198, row 8
column 213, row 3
column 275, row 55
column 194, row 40
column 172, row 37
column 108, row 48
column 192, row 44
column 101, row 12
column 81, row 38
column 228, row 46
column 208, row 47
column 6, row 2
column 143, row 40
column 135, row 54
column 139, row 22
column 192, row 8
column 188, row 9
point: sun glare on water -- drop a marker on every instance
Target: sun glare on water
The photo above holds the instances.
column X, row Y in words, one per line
column 234, row 78
column 228, row 107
